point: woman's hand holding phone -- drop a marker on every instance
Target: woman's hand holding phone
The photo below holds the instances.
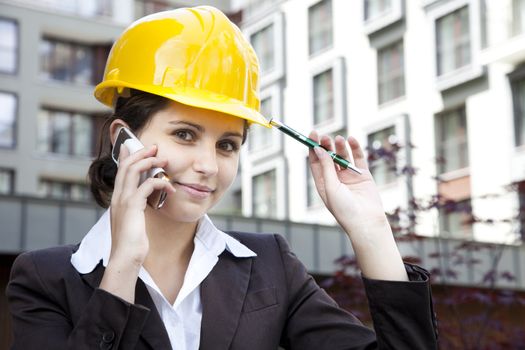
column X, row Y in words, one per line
column 130, row 245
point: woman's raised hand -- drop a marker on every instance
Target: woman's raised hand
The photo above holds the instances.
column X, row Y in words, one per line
column 354, row 201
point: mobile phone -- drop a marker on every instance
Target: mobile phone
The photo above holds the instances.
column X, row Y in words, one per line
column 126, row 137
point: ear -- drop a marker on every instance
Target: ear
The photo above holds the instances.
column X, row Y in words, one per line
column 113, row 128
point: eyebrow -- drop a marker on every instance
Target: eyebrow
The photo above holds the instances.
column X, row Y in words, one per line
column 200, row 128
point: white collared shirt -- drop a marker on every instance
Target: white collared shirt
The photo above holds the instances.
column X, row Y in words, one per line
column 182, row 319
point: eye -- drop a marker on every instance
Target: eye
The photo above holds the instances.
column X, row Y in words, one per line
column 184, row 135
column 228, row 146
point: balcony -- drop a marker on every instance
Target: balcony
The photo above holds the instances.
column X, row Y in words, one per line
column 32, row 223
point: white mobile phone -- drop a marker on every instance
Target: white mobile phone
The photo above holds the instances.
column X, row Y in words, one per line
column 126, row 137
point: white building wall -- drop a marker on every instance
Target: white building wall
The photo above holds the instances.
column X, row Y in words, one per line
column 483, row 87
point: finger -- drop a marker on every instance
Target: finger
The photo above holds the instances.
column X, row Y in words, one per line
column 134, row 173
column 341, row 148
column 327, row 169
column 357, row 153
column 140, row 196
column 126, row 161
column 326, row 142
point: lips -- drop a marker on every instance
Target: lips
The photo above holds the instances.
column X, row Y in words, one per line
column 195, row 190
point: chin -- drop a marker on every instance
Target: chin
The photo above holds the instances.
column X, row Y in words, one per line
column 186, row 212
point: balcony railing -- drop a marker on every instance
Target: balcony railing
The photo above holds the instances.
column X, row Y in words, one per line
column 32, row 223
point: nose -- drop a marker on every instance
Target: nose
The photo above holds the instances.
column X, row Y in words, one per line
column 205, row 161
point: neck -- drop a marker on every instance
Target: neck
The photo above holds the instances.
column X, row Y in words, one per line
column 169, row 242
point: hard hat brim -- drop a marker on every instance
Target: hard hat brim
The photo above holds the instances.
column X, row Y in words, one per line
column 193, row 97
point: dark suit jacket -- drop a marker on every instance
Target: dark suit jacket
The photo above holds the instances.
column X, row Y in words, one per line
column 250, row 303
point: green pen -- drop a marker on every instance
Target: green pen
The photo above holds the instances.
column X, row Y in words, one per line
column 311, row 143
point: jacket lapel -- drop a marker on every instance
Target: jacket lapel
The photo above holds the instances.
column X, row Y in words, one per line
column 154, row 333
column 222, row 294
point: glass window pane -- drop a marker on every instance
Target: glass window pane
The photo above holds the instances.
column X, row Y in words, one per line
column 6, row 181
column 320, row 26
column 382, row 155
column 82, row 135
column 61, row 133
column 66, row 61
column 44, row 132
column 377, row 8
column 8, row 110
column 518, row 96
column 455, row 219
column 8, row 46
column 313, row 199
column 261, row 137
column 263, row 44
column 452, row 147
column 453, row 41
column 323, row 99
column 83, row 65
column 265, row 195
column 391, row 72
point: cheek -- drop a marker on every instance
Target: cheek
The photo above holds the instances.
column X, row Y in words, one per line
column 228, row 171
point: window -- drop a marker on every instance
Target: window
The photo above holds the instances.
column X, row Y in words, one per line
column 8, row 46
column 521, row 209
column 320, row 26
column 323, row 98
column 455, row 219
column 312, row 196
column 68, row 133
column 147, row 7
column 8, row 111
column 382, row 155
column 518, row 16
column 517, row 82
column 376, row 8
column 451, row 138
column 64, row 190
column 391, row 72
column 453, row 41
column 263, row 44
column 265, row 195
column 65, row 61
column 7, row 181
column 260, row 137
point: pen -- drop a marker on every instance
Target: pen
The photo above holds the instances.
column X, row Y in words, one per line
column 311, row 143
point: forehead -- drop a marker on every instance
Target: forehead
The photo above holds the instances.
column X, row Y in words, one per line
column 208, row 120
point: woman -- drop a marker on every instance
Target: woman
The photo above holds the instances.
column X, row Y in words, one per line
column 185, row 83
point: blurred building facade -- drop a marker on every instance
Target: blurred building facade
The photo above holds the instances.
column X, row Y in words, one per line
column 443, row 80
column 444, row 77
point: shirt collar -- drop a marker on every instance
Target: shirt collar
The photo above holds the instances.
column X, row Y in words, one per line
column 96, row 244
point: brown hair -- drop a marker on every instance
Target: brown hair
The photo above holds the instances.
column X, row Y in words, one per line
column 136, row 110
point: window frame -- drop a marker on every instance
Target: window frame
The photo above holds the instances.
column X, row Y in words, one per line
column 15, row 121
column 273, row 92
column 277, row 164
column 515, row 77
column 390, row 45
column 277, row 20
column 436, row 10
column 392, row 175
column 71, row 114
column 74, row 46
column 386, row 19
column 339, row 119
column 12, row 182
column 17, row 49
column 332, row 43
column 438, row 126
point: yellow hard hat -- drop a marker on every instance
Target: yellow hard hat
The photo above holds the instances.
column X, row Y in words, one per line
column 195, row 56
